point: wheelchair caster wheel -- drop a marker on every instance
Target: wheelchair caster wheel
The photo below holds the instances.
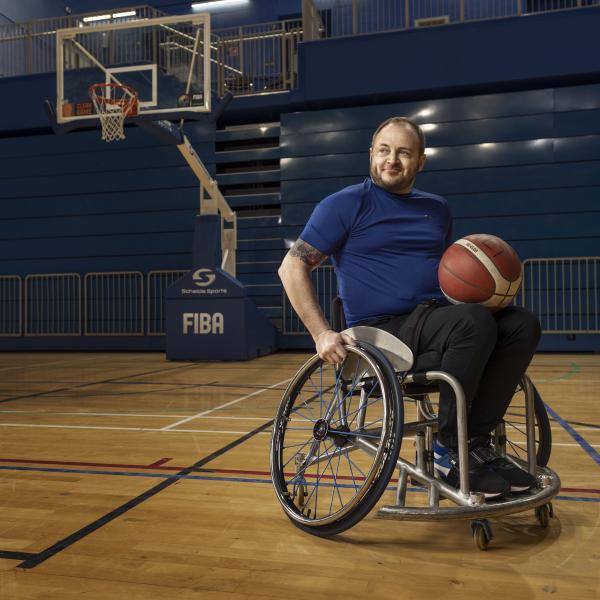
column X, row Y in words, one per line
column 543, row 514
column 482, row 533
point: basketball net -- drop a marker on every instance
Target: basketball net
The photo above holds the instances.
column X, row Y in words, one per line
column 113, row 102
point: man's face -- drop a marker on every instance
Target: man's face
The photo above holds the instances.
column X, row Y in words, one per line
column 395, row 158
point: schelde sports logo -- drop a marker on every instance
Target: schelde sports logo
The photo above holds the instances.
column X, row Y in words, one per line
column 203, row 277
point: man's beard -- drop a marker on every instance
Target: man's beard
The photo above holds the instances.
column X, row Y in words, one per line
column 396, row 187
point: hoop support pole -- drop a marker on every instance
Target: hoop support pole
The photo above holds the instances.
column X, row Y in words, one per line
column 214, row 204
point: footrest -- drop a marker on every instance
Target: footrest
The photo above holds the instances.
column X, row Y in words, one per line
column 504, row 506
column 404, row 513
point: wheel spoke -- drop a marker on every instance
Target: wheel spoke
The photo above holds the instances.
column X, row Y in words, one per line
column 516, row 447
column 346, row 454
column 320, row 476
column 315, row 448
column 355, row 412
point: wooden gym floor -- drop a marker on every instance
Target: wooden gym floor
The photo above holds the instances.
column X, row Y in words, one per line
column 127, row 476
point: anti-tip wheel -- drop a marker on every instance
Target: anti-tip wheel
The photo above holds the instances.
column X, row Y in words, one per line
column 482, row 533
column 543, row 514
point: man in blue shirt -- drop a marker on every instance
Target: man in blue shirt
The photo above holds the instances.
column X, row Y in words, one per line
column 385, row 239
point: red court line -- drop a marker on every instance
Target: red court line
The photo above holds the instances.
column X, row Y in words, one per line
column 584, row 490
column 157, row 465
column 160, row 462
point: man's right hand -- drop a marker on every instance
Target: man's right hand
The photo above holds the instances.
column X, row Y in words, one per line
column 330, row 345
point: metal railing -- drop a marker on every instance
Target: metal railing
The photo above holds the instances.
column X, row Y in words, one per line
column 52, row 304
column 355, row 17
column 30, row 48
column 262, row 58
column 107, row 304
column 158, row 282
column 257, row 58
column 325, row 283
column 114, row 303
column 11, row 290
column 564, row 293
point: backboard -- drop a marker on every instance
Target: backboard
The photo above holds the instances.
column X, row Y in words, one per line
column 165, row 59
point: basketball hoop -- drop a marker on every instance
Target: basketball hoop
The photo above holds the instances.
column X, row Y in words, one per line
column 113, row 102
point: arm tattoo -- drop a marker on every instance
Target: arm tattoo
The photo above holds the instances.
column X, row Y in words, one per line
column 307, row 253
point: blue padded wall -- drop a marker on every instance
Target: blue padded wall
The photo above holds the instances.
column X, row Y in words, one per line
column 73, row 203
column 524, row 166
column 517, row 52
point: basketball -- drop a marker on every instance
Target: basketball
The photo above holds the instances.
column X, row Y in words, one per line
column 482, row 269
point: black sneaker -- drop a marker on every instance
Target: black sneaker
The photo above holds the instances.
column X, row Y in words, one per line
column 518, row 479
column 482, row 478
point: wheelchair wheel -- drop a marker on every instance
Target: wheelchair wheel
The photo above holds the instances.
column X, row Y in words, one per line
column 514, row 420
column 336, row 440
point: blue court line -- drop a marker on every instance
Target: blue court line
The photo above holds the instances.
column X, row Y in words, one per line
column 576, row 436
column 577, row 498
column 220, row 478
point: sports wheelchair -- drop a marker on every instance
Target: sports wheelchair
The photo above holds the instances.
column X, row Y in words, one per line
column 337, row 435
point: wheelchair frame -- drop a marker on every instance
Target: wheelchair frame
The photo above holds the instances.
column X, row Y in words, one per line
column 387, row 370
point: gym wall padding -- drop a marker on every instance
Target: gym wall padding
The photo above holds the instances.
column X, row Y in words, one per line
column 72, row 203
column 524, row 166
column 519, row 165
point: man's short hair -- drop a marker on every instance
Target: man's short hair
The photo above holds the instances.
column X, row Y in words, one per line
column 406, row 123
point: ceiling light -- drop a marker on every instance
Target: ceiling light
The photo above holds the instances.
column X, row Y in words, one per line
column 218, row 4
column 96, row 18
column 428, row 126
column 127, row 13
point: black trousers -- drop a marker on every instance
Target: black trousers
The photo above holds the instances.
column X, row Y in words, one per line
column 487, row 352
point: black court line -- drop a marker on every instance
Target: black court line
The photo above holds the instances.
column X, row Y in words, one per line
column 180, row 385
column 84, row 385
column 15, row 555
column 34, row 560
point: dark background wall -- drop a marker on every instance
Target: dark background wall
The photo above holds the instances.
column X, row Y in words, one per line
column 521, row 165
column 72, row 203
column 515, row 110
column 255, row 11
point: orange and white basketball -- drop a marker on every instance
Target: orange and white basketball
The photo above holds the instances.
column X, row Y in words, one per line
column 480, row 268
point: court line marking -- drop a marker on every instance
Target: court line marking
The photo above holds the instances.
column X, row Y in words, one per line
column 587, row 447
column 230, row 403
column 159, row 465
column 88, row 384
column 587, row 428
column 221, row 431
column 595, row 429
column 95, row 414
column 71, row 539
column 11, row 555
column 170, row 479
column 55, row 362
column 103, row 428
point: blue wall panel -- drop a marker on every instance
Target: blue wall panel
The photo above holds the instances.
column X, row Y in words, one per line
column 72, row 203
column 437, row 134
column 521, row 165
column 455, row 57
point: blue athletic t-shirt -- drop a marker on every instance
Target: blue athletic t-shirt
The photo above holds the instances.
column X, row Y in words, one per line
column 385, row 247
